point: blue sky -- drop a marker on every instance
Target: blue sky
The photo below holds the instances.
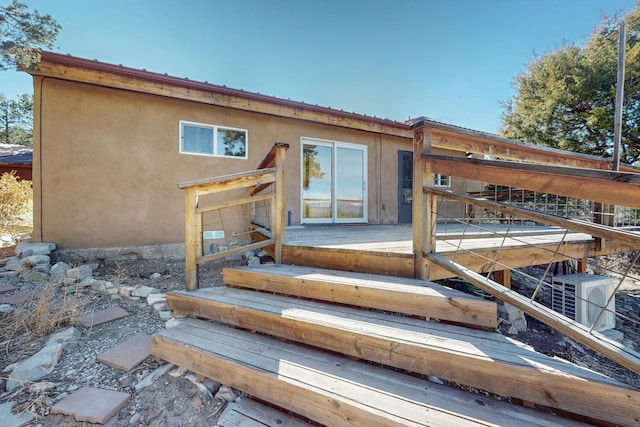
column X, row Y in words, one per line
column 453, row 61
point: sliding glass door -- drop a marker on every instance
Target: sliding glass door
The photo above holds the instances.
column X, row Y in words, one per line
column 334, row 187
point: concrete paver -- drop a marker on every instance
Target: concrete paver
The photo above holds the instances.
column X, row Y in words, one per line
column 93, row 405
column 129, row 353
column 5, row 287
column 103, row 316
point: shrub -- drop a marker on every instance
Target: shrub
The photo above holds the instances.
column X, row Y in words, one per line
column 16, row 198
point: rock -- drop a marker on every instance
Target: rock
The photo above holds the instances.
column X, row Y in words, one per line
column 8, row 273
column 6, row 308
column 42, row 387
column 68, row 338
column 178, row 372
column 153, row 299
column 211, row 385
column 172, row 323
column 509, row 312
column 27, row 249
column 253, row 261
column 165, row 315
column 134, row 418
column 125, row 290
column 13, row 264
column 59, row 271
column 155, row 276
column 144, row 291
column 226, row 394
column 80, row 273
column 43, row 268
column 149, row 379
column 35, row 276
column 435, row 380
column 37, row 366
column 33, row 260
column 9, row 419
column 97, row 285
column 69, row 281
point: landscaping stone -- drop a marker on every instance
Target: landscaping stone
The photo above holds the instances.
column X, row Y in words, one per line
column 33, row 260
column 13, row 264
column 68, row 338
column 37, row 366
column 35, row 276
column 59, row 271
column 103, row 316
column 144, row 291
column 9, row 419
column 92, row 405
column 27, row 249
column 128, row 354
column 80, row 273
column 153, row 299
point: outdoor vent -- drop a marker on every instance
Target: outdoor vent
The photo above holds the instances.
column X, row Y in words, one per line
column 580, row 297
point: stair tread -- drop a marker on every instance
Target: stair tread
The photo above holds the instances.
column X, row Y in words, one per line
column 403, row 295
column 329, row 389
column 475, row 344
column 480, row 359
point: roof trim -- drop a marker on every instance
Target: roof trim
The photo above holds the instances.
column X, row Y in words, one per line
column 165, row 79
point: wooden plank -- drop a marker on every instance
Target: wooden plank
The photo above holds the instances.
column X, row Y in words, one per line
column 237, row 250
column 350, row 260
column 610, row 233
column 615, row 351
column 330, row 390
column 234, row 202
column 455, row 138
column 408, row 296
column 250, row 413
column 614, row 190
column 231, row 181
column 478, row 359
column 423, row 218
column 279, row 206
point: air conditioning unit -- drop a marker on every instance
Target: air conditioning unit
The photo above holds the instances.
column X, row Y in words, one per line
column 581, row 297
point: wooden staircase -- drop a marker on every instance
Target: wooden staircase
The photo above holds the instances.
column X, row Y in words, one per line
column 354, row 349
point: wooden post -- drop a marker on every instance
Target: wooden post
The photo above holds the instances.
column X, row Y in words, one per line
column 279, row 215
column 423, row 207
column 191, row 220
column 503, row 277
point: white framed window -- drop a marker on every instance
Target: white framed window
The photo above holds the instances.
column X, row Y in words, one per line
column 441, row 180
column 212, row 140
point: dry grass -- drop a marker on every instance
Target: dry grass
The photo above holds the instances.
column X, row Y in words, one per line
column 36, row 319
column 16, row 204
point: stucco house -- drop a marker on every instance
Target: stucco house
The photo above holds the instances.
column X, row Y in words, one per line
column 111, row 144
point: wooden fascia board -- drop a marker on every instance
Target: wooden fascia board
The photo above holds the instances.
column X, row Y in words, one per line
column 616, row 188
column 198, row 92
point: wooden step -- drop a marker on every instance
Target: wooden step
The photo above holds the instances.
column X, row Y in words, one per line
column 479, row 359
column 328, row 389
column 394, row 294
column 249, row 413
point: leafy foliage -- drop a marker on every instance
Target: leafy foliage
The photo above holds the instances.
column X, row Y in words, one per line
column 23, row 33
column 566, row 98
column 16, row 120
column 16, row 197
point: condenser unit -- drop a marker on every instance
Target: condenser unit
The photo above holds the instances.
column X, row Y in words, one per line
column 581, row 297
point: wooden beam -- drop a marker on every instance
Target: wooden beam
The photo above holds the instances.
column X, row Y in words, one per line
column 464, row 140
column 231, row 181
column 617, row 188
column 624, row 356
column 503, row 277
column 620, row 236
column 424, row 217
column 278, row 226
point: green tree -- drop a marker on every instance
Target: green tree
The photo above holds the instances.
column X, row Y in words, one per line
column 16, row 120
column 23, row 33
column 566, row 98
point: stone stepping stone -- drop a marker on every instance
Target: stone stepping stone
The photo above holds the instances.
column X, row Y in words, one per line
column 103, row 316
column 9, row 419
column 129, row 353
column 93, row 405
column 5, row 287
column 18, row 299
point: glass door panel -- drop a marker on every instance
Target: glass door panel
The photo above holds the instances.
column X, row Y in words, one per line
column 350, row 184
column 317, row 178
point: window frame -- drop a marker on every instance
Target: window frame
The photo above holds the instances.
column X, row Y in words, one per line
column 215, row 143
column 438, row 178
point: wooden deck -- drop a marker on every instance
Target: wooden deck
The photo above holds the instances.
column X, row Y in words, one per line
column 388, row 249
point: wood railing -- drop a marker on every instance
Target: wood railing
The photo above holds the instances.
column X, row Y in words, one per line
column 268, row 176
column 573, row 180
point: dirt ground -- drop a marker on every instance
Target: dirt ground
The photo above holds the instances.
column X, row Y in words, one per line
column 175, row 399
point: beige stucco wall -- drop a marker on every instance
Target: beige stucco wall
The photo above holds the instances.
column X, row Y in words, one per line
column 107, row 163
